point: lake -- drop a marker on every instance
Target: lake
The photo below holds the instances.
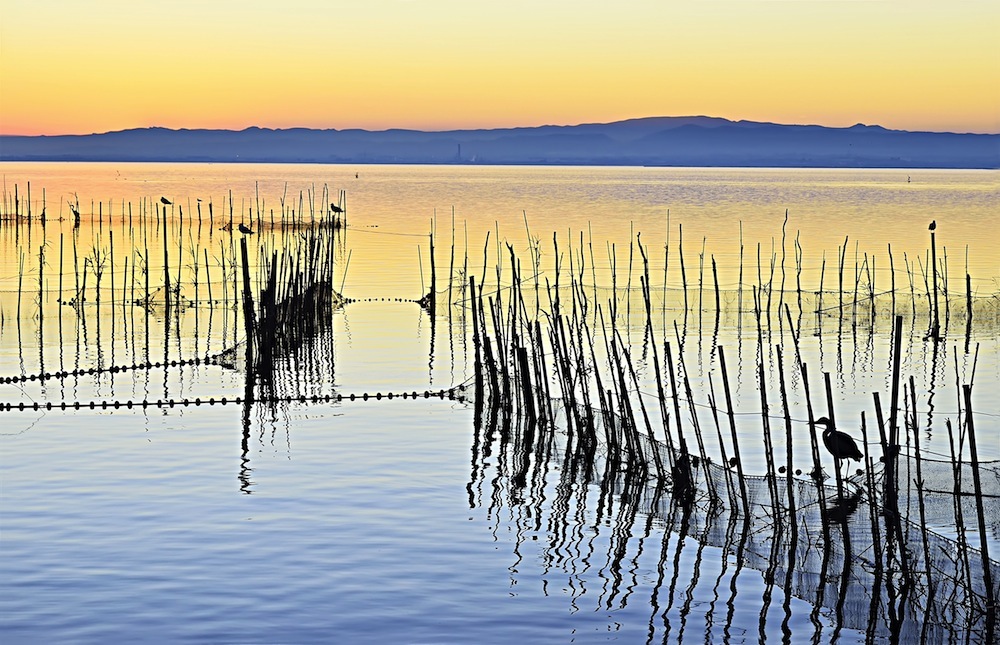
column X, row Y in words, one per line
column 314, row 517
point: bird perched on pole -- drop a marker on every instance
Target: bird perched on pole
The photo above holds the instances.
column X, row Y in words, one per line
column 840, row 444
column 336, row 209
column 933, row 225
column 246, row 230
column 165, row 201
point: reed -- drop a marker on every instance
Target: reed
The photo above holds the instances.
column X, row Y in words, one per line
column 984, row 551
column 744, row 498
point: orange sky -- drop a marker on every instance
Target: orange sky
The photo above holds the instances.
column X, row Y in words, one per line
column 74, row 67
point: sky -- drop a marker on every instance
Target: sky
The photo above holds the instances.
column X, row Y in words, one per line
column 78, row 67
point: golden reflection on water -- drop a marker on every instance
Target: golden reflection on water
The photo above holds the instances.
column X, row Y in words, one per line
column 871, row 209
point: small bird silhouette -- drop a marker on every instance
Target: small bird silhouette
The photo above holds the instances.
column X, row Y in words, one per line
column 246, row 230
column 839, row 444
column 336, row 209
column 164, row 200
column 933, row 225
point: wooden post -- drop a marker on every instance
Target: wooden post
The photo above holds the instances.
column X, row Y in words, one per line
column 732, row 429
column 991, row 601
column 527, row 396
column 473, row 299
column 968, row 311
column 433, row 278
column 788, row 440
column 936, row 329
column 890, row 492
column 833, row 424
column 248, row 317
column 166, row 263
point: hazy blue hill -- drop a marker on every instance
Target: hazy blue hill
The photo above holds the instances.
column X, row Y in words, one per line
column 669, row 141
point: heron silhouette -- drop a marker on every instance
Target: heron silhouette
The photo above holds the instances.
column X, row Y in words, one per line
column 839, row 444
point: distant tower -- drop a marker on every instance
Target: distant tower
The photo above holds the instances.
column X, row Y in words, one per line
column 458, row 155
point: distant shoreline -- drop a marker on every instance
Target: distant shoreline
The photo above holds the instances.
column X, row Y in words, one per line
column 651, row 142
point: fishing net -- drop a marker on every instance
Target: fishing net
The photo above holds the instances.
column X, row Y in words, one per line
column 842, row 552
column 922, row 578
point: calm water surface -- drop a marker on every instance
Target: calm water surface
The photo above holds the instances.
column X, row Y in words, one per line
column 395, row 521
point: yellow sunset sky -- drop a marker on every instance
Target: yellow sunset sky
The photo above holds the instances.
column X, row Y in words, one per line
column 77, row 67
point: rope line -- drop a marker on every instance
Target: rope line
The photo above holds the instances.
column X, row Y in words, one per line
column 454, row 394
column 210, row 359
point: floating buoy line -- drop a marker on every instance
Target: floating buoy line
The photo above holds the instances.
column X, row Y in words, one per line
column 456, row 393
column 212, row 359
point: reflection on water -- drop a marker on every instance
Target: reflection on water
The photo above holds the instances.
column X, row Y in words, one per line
column 609, row 540
column 301, row 512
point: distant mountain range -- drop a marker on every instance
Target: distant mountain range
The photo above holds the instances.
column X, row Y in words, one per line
column 654, row 141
